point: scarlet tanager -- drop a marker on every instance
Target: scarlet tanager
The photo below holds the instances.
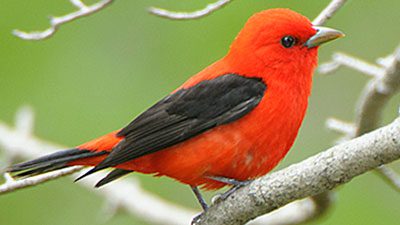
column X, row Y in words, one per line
column 230, row 123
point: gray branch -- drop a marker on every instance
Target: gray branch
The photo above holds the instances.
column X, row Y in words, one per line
column 189, row 15
column 56, row 22
column 385, row 83
column 12, row 185
column 376, row 94
column 298, row 212
column 329, row 11
column 315, row 175
column 390, row 176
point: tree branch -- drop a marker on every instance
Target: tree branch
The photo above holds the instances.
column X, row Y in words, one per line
column 342, row 59
column 385, row 84
column 317, row 174
column 189, row 15
column 12, row 185
column 390, row 176
column 298, row 212
column 56, row 22
column 329, row 11
column 376, row 94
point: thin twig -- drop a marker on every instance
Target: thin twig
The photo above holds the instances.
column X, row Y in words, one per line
column 189, row 15
column 390, row 176
column 376, row 94
column 340, row 126
column 329, row 11
column 385, row 83
column 24, row 120
column 56, row 22
column 342, row 59
column 13, row 185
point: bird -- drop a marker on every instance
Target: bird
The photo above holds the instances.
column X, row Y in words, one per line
column 230, row 123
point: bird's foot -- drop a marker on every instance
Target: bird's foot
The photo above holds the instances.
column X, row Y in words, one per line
column 236, row 185
column 196, row 219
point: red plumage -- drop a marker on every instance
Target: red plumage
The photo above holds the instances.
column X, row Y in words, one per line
column 245, row 147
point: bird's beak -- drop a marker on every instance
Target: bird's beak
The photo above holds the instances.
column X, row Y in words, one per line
column 323, row 35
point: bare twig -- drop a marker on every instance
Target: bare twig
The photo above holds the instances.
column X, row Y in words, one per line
column 24, row 121
column 13, row 185
column 341, row 127
column 56, row 22
column 384, row 84
column 376, row 94
column 189, row 15
column 341, row 59
column 390, row 176
column 329, row 11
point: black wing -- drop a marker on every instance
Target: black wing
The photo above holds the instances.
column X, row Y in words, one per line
column 185, row 114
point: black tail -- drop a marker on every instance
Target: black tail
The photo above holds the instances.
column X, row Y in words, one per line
column 113, row 175
column 50, row 162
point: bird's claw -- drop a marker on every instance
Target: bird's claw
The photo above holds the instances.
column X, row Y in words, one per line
column 197, row 218
column 237, row 184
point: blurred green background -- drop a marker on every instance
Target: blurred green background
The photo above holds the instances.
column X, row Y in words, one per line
column 98, row 73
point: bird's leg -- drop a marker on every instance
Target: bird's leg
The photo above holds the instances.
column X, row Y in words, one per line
column 199, row 197
column 230, row 181
column 237, row 184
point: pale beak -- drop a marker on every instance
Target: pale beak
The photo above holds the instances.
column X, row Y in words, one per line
column 323, row 35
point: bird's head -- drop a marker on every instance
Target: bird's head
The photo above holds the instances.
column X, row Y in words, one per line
column 279, row 38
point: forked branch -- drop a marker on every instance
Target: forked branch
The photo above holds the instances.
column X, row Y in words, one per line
column 56, row 22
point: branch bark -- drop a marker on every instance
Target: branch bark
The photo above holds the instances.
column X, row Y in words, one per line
column 385, row 83
column 210, row 8
column 329, row 11
column 12, row 185
column 56, row 22
column 315, row 175
column 376, row 94
column 298, row 212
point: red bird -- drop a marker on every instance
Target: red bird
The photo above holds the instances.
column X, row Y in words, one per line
column 230, row 123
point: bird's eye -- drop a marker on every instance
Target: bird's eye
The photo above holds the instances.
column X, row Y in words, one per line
column 288, row 41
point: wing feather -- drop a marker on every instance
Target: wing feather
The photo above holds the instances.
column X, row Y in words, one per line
column 185, row 114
